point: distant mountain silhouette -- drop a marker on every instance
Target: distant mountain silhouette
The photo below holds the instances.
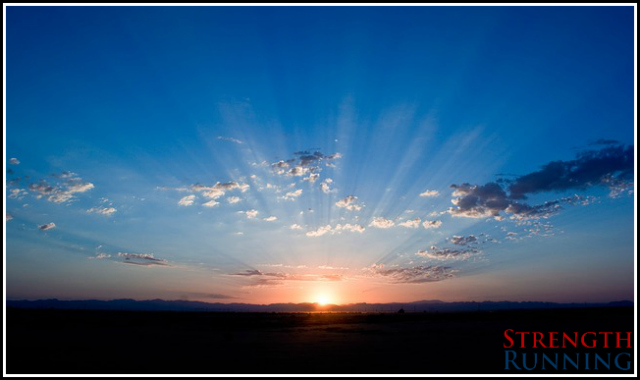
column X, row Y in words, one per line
column 418, row 306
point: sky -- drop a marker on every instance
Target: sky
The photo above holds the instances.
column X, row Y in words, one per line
column 320, row 154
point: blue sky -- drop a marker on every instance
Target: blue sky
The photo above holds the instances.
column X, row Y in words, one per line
column 291, row 154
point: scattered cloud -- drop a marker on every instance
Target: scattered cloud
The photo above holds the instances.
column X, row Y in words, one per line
column 447, row 253
column 47, row 226
column 233, row 200
column 380, row 222
column 349, row 203
column 463, row 240
column 63, row 191
column 270, row 219
column 262, row 279
column 100, row 256
column 106, row 211
column 430, row 193
column 412, row 223
column 320, row 231
column 14, row 161
column 187, row 200
column 292, row 195
column 303, row 163
column 295, row 227
column 427, row 224
column 211, row 203
column 251, row 214
column 339, row 228
column 144, row 259
column 231, row 139
column 9, row 217
column 412, row 275
column 325, row 186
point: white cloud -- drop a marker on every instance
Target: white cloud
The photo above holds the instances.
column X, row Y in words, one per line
column 324, row 186
column 187, row 201
column 100, row 256
column 231, row 139
column 233, row 200
column 251, row 214
column 292, row 195
column 380, row 222
column 349, row 203
column 270, row 219
column 412, row 223
column 312, row 177
column 430, row 193
column 349, row 227
column 14, row 161
column 320, row 231
column 211, row 203
column 106, row 211
column 431, row 224
column 47, row 226
column 295, row 227
column 9, row 217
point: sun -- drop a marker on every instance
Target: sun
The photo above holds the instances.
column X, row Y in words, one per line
column 323, row 299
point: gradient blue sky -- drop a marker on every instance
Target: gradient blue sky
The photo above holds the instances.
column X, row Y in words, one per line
column 344, row 154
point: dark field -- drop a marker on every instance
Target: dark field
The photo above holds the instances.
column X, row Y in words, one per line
column 111, row 342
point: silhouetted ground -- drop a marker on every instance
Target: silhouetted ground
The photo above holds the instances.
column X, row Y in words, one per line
column 114, row 342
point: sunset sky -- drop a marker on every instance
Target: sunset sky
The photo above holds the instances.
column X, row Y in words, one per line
column 320, row 154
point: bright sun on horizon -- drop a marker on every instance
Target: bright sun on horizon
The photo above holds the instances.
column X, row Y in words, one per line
column 323, row 299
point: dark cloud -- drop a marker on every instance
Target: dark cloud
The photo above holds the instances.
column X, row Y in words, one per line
column 144, row 259
column 413, row 275
column 47, row 226
column 303, row 163
column 448, row 253
column 260, row 279
column 610, row 167
column 463, row 240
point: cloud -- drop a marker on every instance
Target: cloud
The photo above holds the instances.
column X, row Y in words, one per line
column 463, row 240
column 251, row 214
column 233, row 200
column 144, row 259
column 219, row 189
column 100, row 256
column 14, row 161
column 427, row 224
column 187, row 200
column 9, row 217
column 380, row 222
column 312, row 177
column 295, row 227
column 270, row 219
column 211, row 203
column 261, row 279
column 292, row 195
column 106, row 211
column 430, row 193
column 47, row 226
column 447, row 253
column 324, row 186
column 412, row 275
column 303, row 163
column 412, row 223
column 17, row 194
column 611, row 166
column 231, row 139
column 349, row 227
column 349, row 203
column 62, row 191
column 320, row 231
